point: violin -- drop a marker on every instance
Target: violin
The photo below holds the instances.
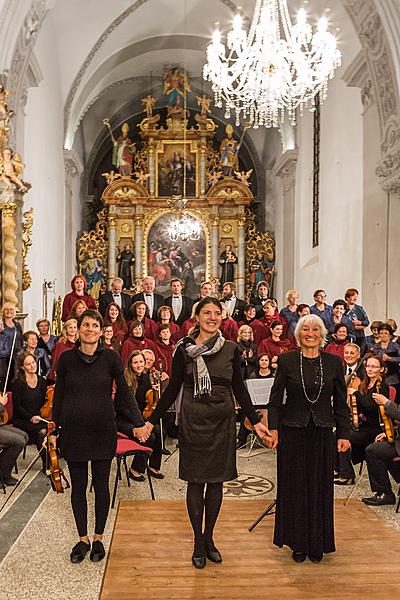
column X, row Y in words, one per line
column 385, row 421
column 47, row 407
column 153, row 395
column 4, row 418
column 353, row 383
column 54, row 472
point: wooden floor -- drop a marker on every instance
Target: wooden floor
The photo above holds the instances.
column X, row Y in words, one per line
column 150, row 557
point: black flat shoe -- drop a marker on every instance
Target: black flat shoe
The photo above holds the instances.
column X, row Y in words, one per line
column 136, row 477
column 155, row 475
column 166, row 452
column 349, row 481
column 315, row 559
column 98, row 553
column 299, row 557
column 381, row 499
column 79, row 552
column 199, row 561
column 11, row 481
column 213, row 553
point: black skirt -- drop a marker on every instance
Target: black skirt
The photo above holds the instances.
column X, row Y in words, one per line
column 207, row 437
column 304, row 511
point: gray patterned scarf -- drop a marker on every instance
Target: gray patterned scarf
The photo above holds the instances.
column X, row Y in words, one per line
column 201, row 376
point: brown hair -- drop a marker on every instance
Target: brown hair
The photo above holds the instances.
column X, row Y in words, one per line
column 364, row 384
column 130, row 375
column 120, row 319
column 20, row 374
column 350, row 292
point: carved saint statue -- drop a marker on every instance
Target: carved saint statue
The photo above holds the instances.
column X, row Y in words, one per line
column 229, row 152
column 175, row 85
column 227, row 260
column 126, row 259
column 93, row 271
column 123, row 151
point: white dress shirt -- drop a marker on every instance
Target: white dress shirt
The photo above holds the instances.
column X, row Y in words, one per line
column 149, row 299
column 177, row 306
column 117, row 299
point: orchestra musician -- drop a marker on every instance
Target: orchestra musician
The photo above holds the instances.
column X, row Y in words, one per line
column 84, row 413
column 205, row 369
column 365, row 417
column 139, row 384
column 380, row 457
column 301, row 429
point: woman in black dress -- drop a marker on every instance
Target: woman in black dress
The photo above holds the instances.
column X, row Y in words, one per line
column 311, row 379
column 29, row 395
column 205, row 369
column 85, row 413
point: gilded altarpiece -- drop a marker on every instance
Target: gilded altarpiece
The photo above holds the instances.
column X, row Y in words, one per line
column 178, row 173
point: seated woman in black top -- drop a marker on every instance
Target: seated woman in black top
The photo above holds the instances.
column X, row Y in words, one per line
column 139, row 383
column 29, row 395
column 263, row 370
column 368, row 420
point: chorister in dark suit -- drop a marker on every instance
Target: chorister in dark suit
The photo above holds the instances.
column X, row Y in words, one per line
column 181, row 305
column 154, row 301
column 261, row 297
column 234, row 305
column 115, row 295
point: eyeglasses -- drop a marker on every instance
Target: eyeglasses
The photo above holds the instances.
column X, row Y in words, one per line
column 373, row 368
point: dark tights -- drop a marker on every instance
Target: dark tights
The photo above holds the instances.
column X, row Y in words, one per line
column 79, row 479
column 199, row 503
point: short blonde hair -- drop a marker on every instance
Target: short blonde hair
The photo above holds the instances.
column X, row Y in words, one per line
column 311, row 320
column 291, row 293
column 240, row 331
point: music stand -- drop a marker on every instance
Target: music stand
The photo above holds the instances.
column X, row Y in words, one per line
column 268, row 511
column 259, row 390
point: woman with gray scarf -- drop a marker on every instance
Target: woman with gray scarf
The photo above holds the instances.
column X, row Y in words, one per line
column 205, row 372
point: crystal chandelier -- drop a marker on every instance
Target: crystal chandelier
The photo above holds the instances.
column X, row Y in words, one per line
column 182, row 227
column 260, row 75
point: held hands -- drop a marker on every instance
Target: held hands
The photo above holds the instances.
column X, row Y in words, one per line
column 380, row 399
column 343, row 445
column 35, row 419
column 272, row 439
column 141, row 433
column 164, row 376
column 381, row 437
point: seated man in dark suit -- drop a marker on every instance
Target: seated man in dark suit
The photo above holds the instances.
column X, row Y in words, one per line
column 115, row 295
column 382, row 458
column 181, row 305
column 234, row 305
column 153, row 300
column 353, row 366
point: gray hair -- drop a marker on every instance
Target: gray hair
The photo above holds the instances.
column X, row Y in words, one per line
column 311, row 320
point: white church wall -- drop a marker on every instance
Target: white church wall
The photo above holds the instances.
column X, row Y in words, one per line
column 43, row 156
column 337, row 261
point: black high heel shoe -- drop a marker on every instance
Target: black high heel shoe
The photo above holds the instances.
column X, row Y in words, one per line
column 213, row 553
column 199, row 555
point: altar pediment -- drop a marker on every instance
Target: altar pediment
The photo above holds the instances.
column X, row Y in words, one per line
column 124, row 191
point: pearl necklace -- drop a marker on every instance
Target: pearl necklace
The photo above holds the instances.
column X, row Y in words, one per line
column 302, row 379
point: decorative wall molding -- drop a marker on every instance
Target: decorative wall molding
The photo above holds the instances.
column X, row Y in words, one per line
column 381, row 86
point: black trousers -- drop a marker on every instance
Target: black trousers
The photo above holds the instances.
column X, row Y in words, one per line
column 359, row 440
column 12, row 442
column 154, row 442
column 79, row 479
column 379, row 456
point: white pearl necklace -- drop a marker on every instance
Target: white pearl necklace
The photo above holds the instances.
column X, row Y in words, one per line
column 321, row 382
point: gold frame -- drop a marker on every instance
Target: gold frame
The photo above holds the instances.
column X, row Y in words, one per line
column 193, row 149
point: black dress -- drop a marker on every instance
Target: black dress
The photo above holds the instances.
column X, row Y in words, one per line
column 304, row 514
column 83, row 403
column 27, row 403
column 207, row 425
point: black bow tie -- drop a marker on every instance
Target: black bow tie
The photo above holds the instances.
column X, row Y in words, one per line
column 116, row 295
column 176, row 296
column 148, row 295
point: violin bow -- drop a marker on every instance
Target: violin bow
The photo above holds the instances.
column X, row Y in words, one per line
column 9, row 362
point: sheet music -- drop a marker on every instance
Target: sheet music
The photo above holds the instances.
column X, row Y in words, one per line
column 259, row 390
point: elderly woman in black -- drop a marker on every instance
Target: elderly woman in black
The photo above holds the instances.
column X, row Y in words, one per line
column 205, row 370
column 301, row 429
column 85, row 413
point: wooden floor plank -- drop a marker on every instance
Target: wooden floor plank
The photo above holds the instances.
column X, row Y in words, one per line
column 150, row 557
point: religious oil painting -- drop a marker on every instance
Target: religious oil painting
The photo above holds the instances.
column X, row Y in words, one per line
column 168, row 258
column 177, row 170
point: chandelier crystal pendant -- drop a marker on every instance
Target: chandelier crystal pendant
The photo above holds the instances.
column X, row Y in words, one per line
column 261, row 76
